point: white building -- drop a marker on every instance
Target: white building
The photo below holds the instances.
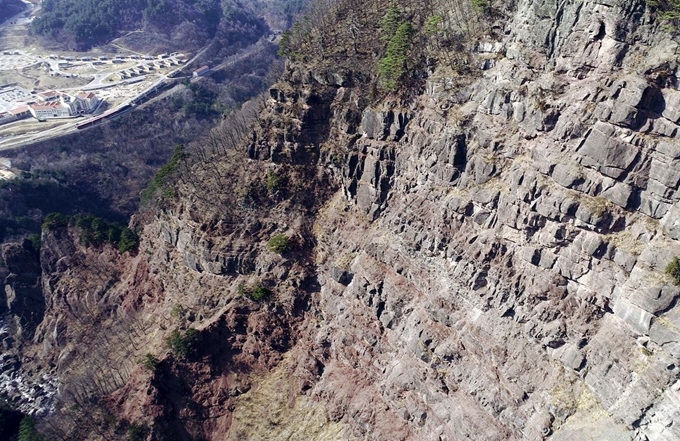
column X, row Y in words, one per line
column 201, row 71
column 90, row 99
column 48, row 95
column 61, row 105
column 52, row 109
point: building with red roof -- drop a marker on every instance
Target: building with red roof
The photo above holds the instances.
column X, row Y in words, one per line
column 201, row 71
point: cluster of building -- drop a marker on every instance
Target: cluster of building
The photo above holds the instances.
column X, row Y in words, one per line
column 52, row 104
column 143, row 69
column 58, row 104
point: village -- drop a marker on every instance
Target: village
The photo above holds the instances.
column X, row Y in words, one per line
column 107, row 75
column 93, row 88
column 45, row 95
column 48, row 104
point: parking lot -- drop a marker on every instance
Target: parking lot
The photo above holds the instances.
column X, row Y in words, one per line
column 12, row 96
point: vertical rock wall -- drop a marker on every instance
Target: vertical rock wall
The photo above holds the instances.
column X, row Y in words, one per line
column 502, row 247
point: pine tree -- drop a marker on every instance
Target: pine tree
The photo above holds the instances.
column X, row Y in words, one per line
column 27, row 430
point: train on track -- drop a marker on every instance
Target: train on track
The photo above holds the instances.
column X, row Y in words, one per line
column 103, row 117
column 123, row 109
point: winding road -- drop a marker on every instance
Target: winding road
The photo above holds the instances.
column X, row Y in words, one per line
column 21, row 17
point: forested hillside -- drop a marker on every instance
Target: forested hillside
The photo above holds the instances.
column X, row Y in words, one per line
column 9, row 8
column 81, row 24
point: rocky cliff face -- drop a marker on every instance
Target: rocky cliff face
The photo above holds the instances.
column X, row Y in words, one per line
column 506, row 242
column 483, row 259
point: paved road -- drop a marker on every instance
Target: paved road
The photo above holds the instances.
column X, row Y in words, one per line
column 20, row 16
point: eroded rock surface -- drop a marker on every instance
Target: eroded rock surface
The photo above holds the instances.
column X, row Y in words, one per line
column 507, row 254
column 482, row 260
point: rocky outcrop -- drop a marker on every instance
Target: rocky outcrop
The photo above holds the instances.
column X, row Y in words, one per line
column 501, row 251
column 481, row 259
column 27, row 389
column 23, row 294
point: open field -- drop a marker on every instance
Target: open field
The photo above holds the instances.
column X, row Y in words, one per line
column 31, row 126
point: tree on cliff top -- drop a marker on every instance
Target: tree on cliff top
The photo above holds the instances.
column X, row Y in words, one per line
column 27, row 431
column 160, row 185
column 393, row 42
column 392, row 66
column 667, row 10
